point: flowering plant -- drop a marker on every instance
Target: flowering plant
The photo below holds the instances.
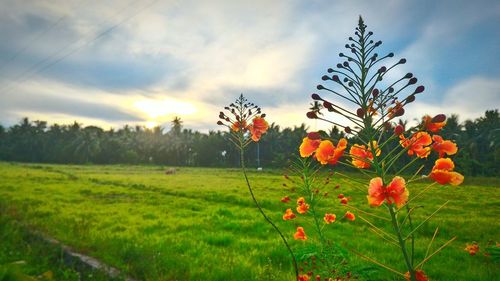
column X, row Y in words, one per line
column 373, row 133
column 378, row 143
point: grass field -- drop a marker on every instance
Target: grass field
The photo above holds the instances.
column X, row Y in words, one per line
column 200, row 224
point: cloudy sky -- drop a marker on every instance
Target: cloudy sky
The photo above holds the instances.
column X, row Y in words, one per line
column 111, row 63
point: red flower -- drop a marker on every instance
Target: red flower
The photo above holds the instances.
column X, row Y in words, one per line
column 302, row 209
column 443, row 146
column 289, row 215
column 431, row 126
column 340, row 196
column 329, row 218
column 308, row 146
column 304, row 277
column 344, row 200
column 419, row 274
column 236, row 126
column 417, row 144
column 350, row 216
column 395, row 192
column 301, row 201
column 443, row 173
column 361, row 154
column 285, row 199
column 327, row 153
column 300, row 234
column 472, row 248
column 258, row 127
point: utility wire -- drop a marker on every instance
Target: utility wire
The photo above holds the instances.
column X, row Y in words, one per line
column 31, row 42
column 29, row 73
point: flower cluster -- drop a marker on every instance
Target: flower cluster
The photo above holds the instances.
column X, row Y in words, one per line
column 242, row 117
column 322, row 150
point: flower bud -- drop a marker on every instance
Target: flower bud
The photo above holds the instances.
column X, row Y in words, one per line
column 316, row 97
column 360, row 112
column 402, row 61
column 347, row 130
column 329, row 70
column 320, row 87
column 313, row 136
column 220, row 123
column 335, row 78
column 325, row 77
column 328, row 105
column 399, row 112
column 439, row 118
column 375, row 93
column 399, row 129
column 339, row 65
column 382, row 69
column 311, row 115
column 410, row 98
column 390, row 55
column 412, row 81
column 263, row 115
column 419, row 89
column 346, row 64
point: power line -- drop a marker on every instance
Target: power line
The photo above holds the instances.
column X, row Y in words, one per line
column 31, row 42
column 28, row 74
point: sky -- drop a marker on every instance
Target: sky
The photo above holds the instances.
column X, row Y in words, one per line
column 111, row 63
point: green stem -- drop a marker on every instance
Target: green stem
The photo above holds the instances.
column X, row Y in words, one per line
column 402, row 244
column 295, row 266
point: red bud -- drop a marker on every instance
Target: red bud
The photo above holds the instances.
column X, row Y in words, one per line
column 419, row 89
column 360, row 112
column 312, row 115
column 439, row 118
column 315, row 97
column 313, row 136
column 399, row 130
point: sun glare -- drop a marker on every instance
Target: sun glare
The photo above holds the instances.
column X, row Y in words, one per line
column 157, row 111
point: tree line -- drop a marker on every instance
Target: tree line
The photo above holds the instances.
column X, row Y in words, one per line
column 35, row 141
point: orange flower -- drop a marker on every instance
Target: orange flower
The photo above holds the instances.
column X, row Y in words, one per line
column 344, row 200
column 472, row 248
column 300, row 234
column 443, row 173
column 395, row 192
column 302, row 209
column 301, row 201
column 443, row 146
column 329, row 218
column 239, row 126
column 396, row 110
column 419, row 274
column 289, row 215
column 350, row 216
column 327, row 153
column 308, row 146
column 285, row 199
column 432, row 127
column 360, row 154
column 304, row 277
column 258, row 127
column 418, row 144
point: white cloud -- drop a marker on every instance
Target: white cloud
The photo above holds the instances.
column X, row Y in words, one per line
column 469, row 99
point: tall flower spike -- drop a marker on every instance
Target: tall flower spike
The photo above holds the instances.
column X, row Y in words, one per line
column 360, row 82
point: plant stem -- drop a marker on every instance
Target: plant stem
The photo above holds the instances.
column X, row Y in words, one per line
column 402, row 244
column 295, row 266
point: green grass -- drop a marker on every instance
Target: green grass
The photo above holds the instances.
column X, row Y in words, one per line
column 200, row 224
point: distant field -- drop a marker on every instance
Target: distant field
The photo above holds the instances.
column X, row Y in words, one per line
column 200, row 224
